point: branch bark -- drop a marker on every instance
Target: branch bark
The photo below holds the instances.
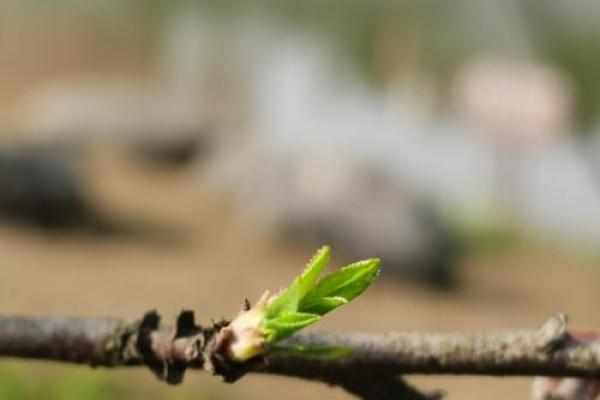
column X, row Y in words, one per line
column 368, row 365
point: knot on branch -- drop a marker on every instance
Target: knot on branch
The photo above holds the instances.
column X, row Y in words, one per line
column 168, row 353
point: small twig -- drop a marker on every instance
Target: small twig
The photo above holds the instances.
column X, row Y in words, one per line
column 369, row 367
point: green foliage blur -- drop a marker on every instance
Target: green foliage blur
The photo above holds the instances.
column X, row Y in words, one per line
column 72, row 385
column 19, row 382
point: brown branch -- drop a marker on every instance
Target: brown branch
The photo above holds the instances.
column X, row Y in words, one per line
column 546, row 351
column 368, row 365
column 76, row 340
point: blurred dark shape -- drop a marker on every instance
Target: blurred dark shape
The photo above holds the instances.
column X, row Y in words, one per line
column 432, row 262
column 175, row 150
column 39, row 186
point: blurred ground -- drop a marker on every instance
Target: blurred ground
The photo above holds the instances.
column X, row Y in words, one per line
column 206, row 259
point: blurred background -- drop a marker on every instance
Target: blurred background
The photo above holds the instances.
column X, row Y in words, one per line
column 189, row 154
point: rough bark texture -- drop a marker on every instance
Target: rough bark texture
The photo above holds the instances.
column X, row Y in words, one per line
column 549, row 350
column 77, row 340
column 367, row 366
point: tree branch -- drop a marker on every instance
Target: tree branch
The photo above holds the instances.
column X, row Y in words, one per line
column 365, row 365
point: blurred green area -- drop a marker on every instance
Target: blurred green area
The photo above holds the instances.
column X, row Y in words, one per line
column 18, row 382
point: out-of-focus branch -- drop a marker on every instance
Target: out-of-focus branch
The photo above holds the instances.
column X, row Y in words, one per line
column 367, row 365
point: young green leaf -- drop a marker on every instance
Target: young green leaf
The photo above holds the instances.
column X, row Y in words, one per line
column 286, row 324
column 289, row 299
column 347, row 283
column 301, row 304
column 313, row 270
column 323, row 305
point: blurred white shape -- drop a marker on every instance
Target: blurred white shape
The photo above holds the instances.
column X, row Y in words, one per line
column 514, row 100
column 556, row 196
column 524, row 110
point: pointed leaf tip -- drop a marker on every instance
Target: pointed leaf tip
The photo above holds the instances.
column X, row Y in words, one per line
column 347, row 283
column 290, row 298
column 313, row 269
